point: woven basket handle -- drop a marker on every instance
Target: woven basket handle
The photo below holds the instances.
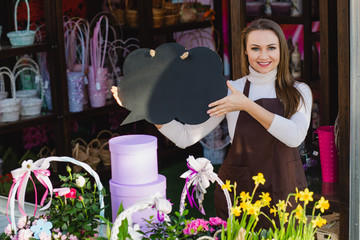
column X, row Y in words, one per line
column 28, row 15
column 8, row 72
column 140, row 206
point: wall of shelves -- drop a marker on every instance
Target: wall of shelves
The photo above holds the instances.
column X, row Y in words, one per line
column 59, row 116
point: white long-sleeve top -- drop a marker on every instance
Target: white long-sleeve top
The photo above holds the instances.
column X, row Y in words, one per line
column 291, row 132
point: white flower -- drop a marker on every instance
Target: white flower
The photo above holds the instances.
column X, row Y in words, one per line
column 29, row 165
column 80, row 181
column 22, row 222
column 8, row 230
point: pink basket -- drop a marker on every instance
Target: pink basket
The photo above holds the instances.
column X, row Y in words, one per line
column 328, row 154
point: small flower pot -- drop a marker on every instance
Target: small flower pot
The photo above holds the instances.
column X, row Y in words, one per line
column 280, row 8
column 255, row 8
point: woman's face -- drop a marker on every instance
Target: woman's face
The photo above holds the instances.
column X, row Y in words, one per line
column 263, row 50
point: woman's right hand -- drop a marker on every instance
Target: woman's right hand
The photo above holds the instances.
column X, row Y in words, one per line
column 115, row 93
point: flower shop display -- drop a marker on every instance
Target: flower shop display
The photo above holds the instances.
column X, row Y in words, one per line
column 98, row 74
column 244, row 210
column 21, row 37
column 76, row 38
column 74, row 212
column 9, row 107
column 31, row 104
column 134, row 173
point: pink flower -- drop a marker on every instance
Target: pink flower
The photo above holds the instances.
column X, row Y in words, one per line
column 63, row 237
column 8, row 230
column 22, row 222
column 25, row 234
column 216, row 221
column 71, row 194
column 44, row 236
column 72, row 237
column 81, row 198
column 61, row 191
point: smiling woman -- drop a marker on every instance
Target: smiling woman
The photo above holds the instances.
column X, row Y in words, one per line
column 263, row 50
column 268, row 115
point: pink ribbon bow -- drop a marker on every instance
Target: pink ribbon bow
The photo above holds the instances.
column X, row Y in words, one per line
column 21, row 177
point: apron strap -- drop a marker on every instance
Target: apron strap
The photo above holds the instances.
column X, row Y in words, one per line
column 246, row 88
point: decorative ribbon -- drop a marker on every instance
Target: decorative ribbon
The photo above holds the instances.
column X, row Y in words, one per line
column 200, row 174
column 20, row 180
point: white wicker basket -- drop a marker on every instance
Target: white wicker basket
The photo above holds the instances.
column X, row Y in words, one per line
column 41, row 164
column 21, row 37
column 30, row 104
column 3, row 93
column 9, row 107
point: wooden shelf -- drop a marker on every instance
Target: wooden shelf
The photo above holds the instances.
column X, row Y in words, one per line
column 89, row 111
column 27, row 121
column 280, row 19
column 179, row 27
column 10, row 51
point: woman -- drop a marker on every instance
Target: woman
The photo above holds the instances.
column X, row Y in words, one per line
column 268, row 115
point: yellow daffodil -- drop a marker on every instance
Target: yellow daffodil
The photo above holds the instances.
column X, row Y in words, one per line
column 245, row 205
column 259, row 179
column 253, row 210
column 284, row 216
column 318, row 222
column 266, row 199
column 281, row 205
column 297, row 195
column 323, row 204
column 244, row 196
column 226, row 186
column 235, row 211
column 299, row 212
column 306, row 196
column 273, row 210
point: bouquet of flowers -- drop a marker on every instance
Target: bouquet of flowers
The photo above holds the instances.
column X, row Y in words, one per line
column 244, row 213
column 73, row 213
column 294, row 225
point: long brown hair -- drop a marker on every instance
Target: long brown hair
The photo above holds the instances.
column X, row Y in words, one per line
column 284, row 85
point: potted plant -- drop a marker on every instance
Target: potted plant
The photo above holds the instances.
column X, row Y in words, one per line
column 281, row 8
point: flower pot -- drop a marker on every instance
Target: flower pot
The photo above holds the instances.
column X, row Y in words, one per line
column 280, row 8
column 255, row 8
column 97, row 86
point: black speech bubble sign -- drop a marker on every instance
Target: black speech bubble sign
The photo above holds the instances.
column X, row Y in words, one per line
column 164, row 87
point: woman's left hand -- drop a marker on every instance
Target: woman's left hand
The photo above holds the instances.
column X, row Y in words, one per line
column 236, row 101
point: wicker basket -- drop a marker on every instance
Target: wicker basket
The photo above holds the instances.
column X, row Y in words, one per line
column 104, row 136
column 104, row 154
column 9, row 107
column 44, row 162
column 158, row 17
column 21, row 37
column 31, row 105
column 3, row 93
column 119, row 14
column 331, row 230
column 131, row 17
column 171, row 19
column 79, row 153
column 187, row 13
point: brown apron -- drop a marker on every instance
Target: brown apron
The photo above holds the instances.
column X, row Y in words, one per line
column 254, row 150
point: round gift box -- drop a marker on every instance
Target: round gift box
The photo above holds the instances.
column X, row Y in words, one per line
column 129, row 195
column 133, row 159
